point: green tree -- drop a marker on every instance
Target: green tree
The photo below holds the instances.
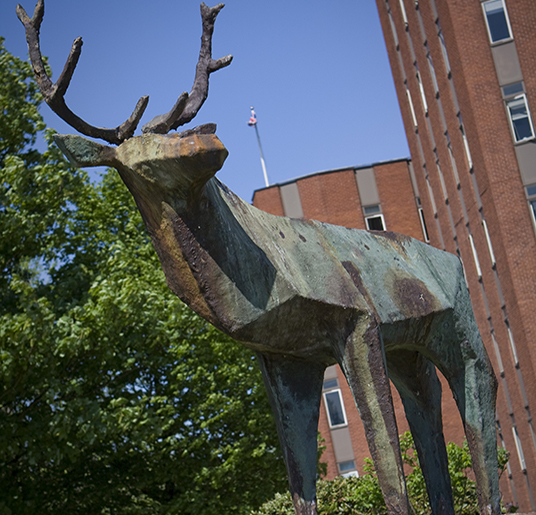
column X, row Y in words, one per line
column 114, row 396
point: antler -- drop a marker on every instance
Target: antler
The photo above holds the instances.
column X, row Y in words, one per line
column 54, row 93
column 188, row 105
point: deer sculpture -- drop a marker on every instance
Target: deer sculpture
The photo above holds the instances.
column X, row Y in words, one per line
column 302, row 294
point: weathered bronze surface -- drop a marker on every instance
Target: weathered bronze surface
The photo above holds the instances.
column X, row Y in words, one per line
column 305, row 295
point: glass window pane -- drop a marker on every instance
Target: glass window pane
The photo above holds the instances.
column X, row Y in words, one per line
column 330, row 383
column 522, row 129
column 513, row 89
column 531, row 190
column 496, row 18
column 518, row 108
column 369, row 210
column 335, row 410
column 345, row 466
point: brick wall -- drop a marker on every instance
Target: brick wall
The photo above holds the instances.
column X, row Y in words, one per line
column 491, row 190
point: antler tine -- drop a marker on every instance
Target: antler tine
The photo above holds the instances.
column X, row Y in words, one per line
column 54, row 93
column 205, row 66
column 162, row 123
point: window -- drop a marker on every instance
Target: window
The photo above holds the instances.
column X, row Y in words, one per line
column 513, row 89
column 375, row 223
column 531, row 195
column 533, row 207
column 497, row 20
column 335, row 408
column 519, row 449
column 475, row 256
column 423, row 225
column 374, row 218
column 431, row 68
column 403, row 10
column 518, row 110
column 347, row 468
column 488, row 241
column 411, row 108
column 371, row 210
column 443, row 48
column 465, row 142
column 421, row 88
column 392, row 23
column 330, row 383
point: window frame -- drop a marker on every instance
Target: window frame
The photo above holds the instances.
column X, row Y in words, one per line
column 507, row 101
column 339, row 392
column 499, row 41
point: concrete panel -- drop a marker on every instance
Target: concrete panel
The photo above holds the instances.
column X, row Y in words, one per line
column 507, row 63
column 526, row 158
column 413, row 179
column 342, row 444
column 290, row 197
column 331, row 372
column 366, row 184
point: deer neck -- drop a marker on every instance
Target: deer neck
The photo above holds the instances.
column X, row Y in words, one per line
column 198, row 227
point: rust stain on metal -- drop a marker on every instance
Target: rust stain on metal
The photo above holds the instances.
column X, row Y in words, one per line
column 412, row 297
column 355, row 275
column 399, row 241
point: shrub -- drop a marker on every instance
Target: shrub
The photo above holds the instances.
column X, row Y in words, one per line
column 362, row 495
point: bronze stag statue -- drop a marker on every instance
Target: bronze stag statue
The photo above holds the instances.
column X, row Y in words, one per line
column 302, row 294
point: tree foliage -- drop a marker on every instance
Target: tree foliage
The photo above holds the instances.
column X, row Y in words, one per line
column 362, row 495
column 114, row 396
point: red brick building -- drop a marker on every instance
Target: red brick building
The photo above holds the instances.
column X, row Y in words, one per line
column 465, row 75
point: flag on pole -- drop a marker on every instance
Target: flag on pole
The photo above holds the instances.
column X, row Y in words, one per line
column 253, row 123
column 253, row 118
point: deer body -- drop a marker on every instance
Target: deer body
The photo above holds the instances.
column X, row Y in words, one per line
column 244, row 269
column 303, row 295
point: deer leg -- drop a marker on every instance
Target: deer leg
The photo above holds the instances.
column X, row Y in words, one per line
column 474, row 387
column 416, row 380
column 462, row 358
column 294, row 388
column 363, row 362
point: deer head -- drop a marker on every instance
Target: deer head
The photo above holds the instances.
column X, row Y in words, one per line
column 192, row 156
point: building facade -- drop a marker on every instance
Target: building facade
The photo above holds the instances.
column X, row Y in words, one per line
column 465, row 76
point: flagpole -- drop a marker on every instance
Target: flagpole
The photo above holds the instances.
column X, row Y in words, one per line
column 253, row 121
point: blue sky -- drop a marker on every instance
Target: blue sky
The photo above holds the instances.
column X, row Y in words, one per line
column 317, row 74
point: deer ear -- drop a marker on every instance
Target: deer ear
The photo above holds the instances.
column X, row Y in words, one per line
column 82, row 152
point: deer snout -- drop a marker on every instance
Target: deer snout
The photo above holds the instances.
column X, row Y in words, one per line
column 172, row 162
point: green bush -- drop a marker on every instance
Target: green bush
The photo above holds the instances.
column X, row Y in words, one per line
column 362, row 495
